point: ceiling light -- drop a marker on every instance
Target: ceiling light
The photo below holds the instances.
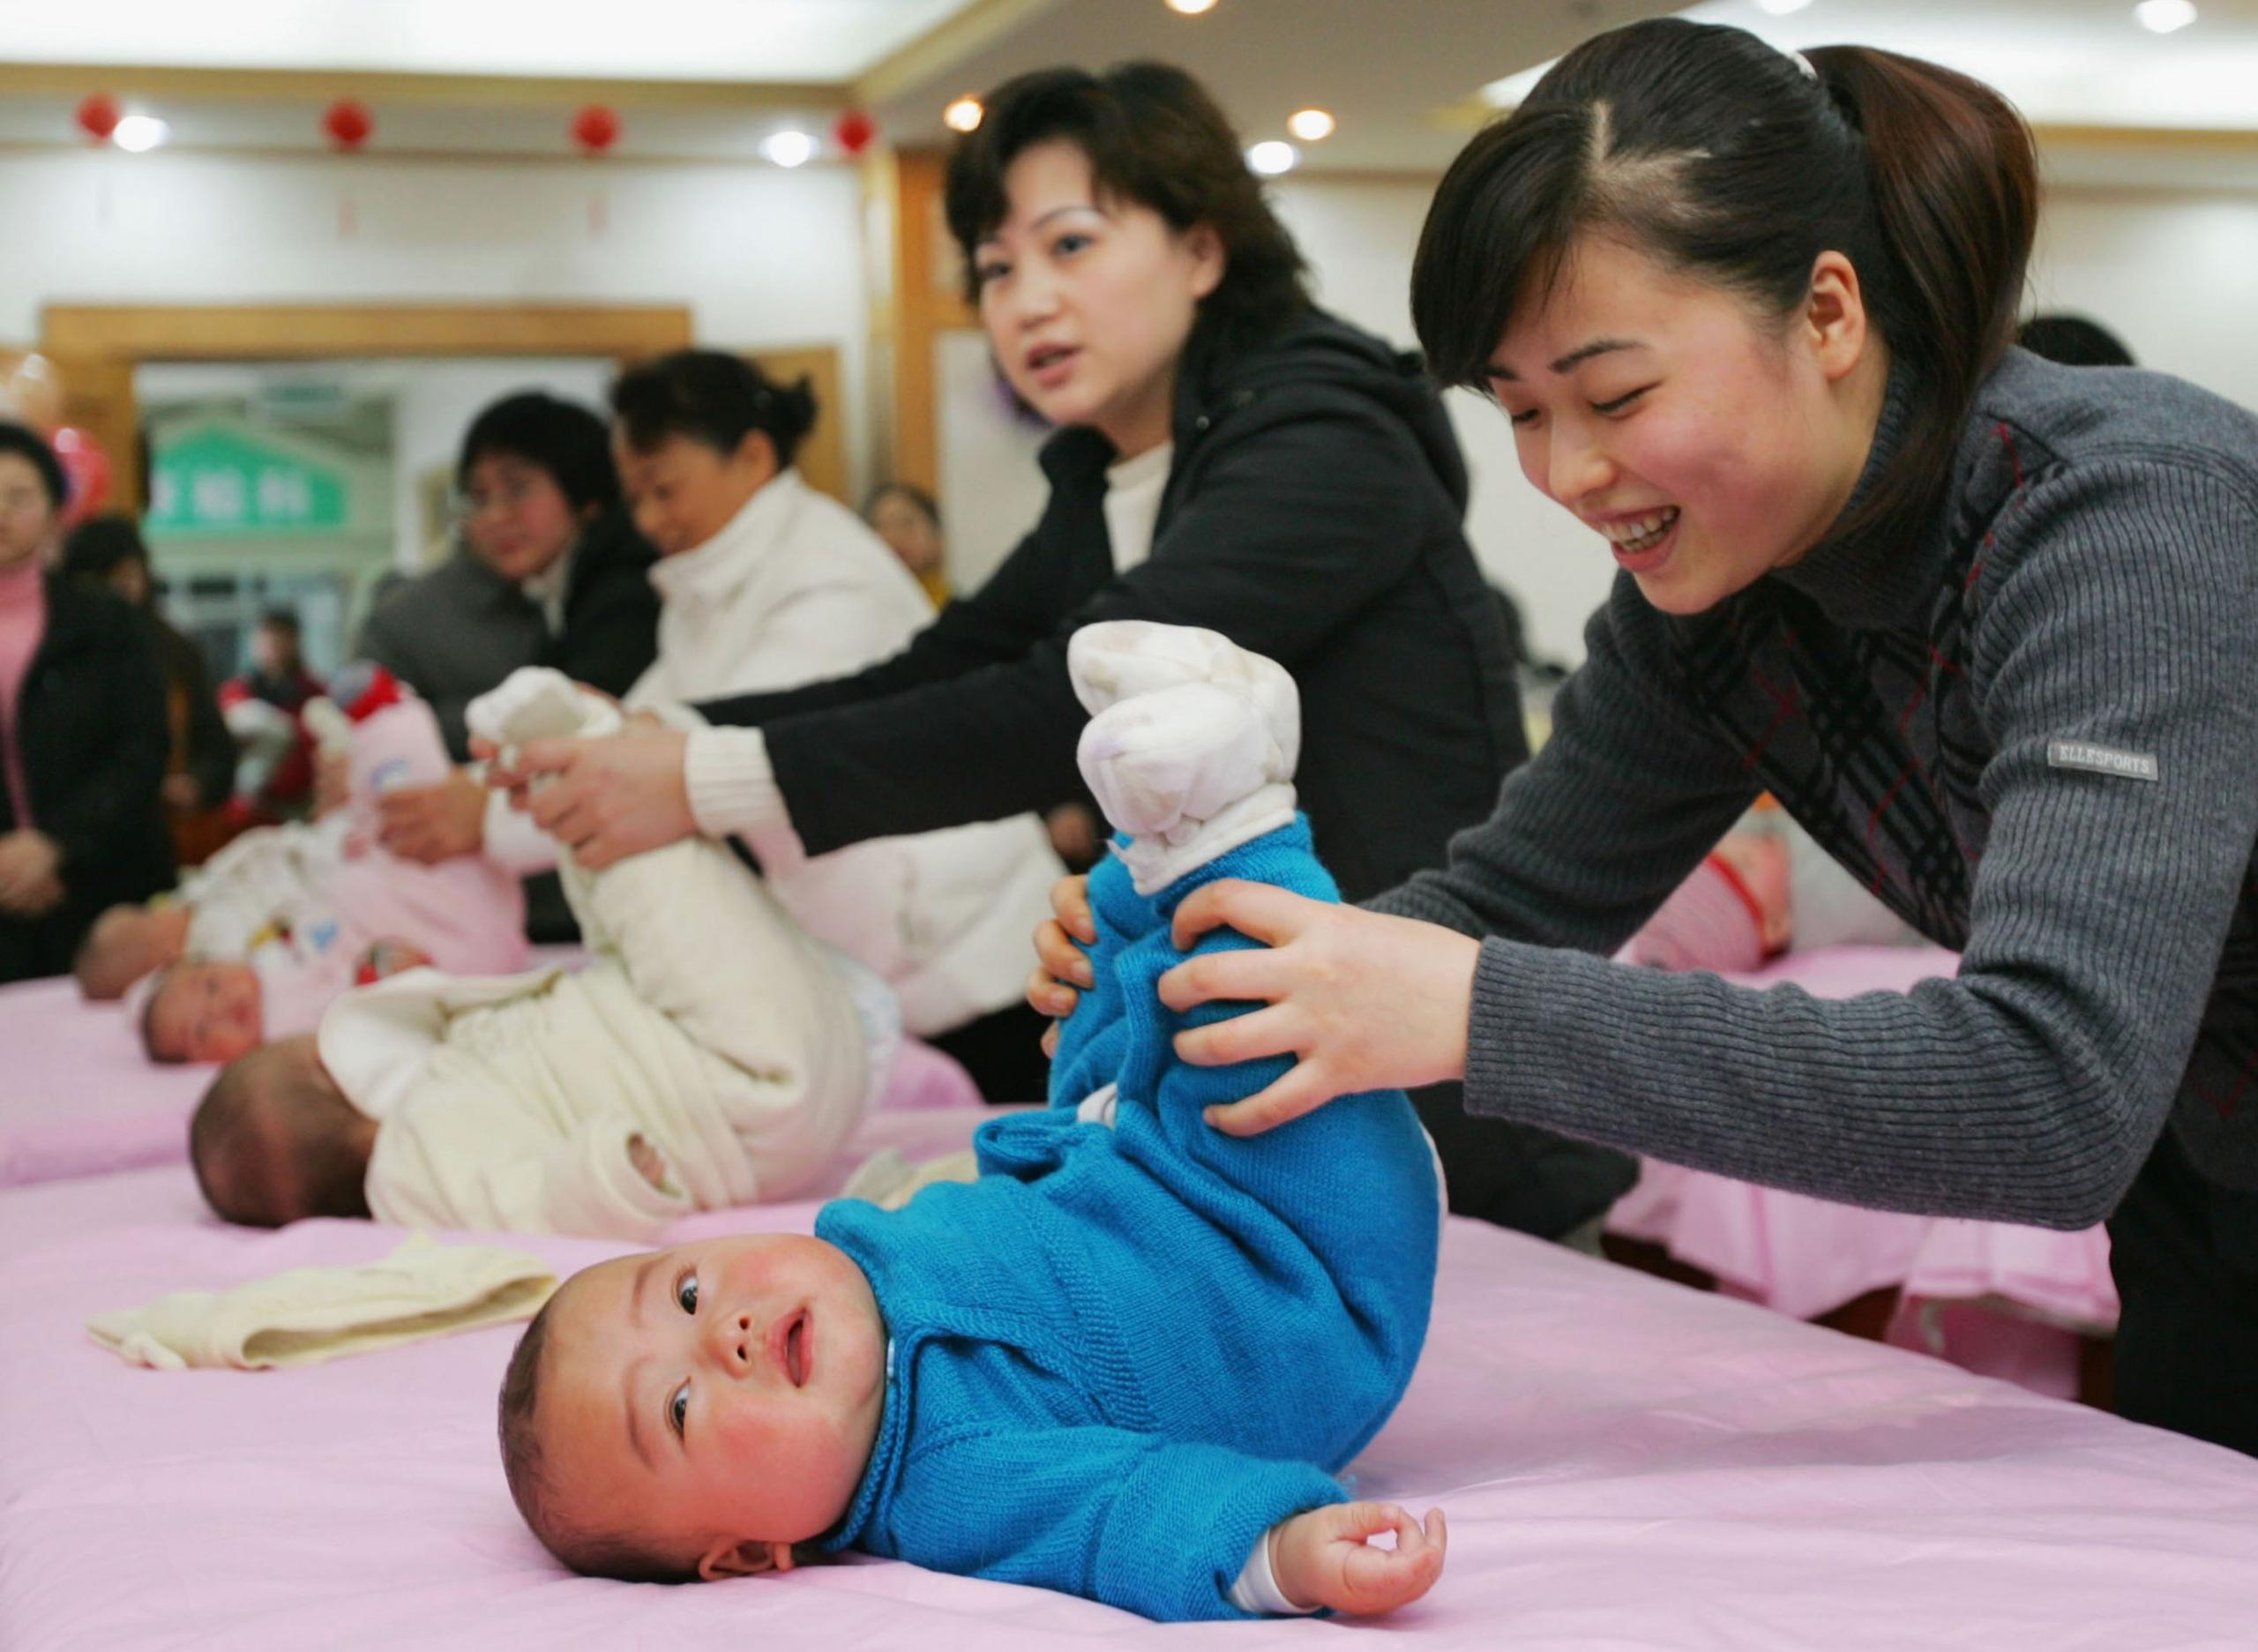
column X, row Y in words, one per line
column 2162, row 17
column 788, row 148
column 1271, row 157
column 139, row 134
column 1781, row 8
column 1311, row 126
column 963, row 115
column 1192, row 8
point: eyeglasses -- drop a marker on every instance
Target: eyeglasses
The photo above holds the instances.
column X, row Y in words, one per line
column 508, row 500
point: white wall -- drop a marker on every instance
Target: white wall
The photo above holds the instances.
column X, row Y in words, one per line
column 762, row 258
column 2171, row 273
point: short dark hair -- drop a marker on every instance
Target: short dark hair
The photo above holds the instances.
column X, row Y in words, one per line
column 100, row 544
column 1154, row 137
column 27, row 443
column 924, row 501
column 712, row 397
column 2073, row 341
column 525, row 1466
column 336, row 1177
column 1730, row 161
column 280, row 619
column 562, row 437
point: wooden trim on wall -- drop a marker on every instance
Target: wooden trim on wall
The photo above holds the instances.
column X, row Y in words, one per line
column 96, row 347
column 147, row 333
column 822, row 458
column 926, row 302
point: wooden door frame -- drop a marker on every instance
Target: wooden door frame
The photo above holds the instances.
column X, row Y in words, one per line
column 96, row 348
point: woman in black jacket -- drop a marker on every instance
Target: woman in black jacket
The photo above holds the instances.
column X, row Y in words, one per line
column 83, row 737
column 1231, row 457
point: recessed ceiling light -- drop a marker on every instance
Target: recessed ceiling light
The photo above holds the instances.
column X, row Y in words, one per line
column 788, row 148
column 1272, row 156
column 140, row 133
column 1311, row 126
column 1192, row 8
column 2162, row 17
column 963, row 115
column 1781, row 8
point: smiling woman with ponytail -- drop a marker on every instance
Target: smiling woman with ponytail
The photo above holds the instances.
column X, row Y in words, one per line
column 1986, row 626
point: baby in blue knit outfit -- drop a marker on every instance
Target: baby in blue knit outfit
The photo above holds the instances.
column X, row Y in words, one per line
column 1127, row 1361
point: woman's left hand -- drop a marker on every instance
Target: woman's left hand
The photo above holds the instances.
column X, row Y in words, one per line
column 430, row 824
column 609, row 798
column 1366, row 1001
column 31, row 874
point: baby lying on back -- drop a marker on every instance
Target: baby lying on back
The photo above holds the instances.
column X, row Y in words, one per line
column 263, row 937
column 1126, row 1361
column 710, row 1054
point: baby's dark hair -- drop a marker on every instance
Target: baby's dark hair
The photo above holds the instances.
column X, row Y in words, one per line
column 225, row 1133
column 713, row 397
column 525, row 1465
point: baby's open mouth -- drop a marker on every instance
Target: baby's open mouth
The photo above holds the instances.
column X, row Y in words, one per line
column 796, row 1351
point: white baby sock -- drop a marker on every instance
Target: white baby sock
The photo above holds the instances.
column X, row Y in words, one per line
column 1191, row 748
column 536, row 703
column 309, row 1314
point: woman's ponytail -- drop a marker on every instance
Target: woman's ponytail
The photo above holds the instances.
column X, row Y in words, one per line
column 1953, row 181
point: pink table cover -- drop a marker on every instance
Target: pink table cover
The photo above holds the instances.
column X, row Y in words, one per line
column 1625, row 1464
column 1806, row 1256
column 79, row 1097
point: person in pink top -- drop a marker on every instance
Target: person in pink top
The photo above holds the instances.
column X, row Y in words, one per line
column 83, row 737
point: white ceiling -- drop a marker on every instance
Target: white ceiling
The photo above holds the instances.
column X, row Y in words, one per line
column 627, row 40
column 1405, row 79
column 2082, row 63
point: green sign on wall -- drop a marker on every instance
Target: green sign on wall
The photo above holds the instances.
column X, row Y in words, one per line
column 217, row 479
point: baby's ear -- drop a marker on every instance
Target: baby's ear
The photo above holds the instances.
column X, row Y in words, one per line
column 744, row 1558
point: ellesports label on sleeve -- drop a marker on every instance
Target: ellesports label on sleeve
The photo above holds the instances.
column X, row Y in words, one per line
column 2101, row 760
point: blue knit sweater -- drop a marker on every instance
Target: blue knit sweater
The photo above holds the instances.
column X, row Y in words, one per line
column 1123, row 1354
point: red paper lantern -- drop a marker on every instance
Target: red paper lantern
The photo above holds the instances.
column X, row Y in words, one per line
column 98, row 117
column 87, row 469
column 595, row 129
column 348, row 123
column 854, row 130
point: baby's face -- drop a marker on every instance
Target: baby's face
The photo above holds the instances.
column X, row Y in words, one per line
column 719, row 1392
column 206, row 1012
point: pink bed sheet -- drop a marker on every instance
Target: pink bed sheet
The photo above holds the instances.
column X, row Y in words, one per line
column 1625, row 1464
column 78, row 1097
column 1806, row 1257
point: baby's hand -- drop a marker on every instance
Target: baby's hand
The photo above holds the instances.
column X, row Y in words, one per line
column 1322, row 1558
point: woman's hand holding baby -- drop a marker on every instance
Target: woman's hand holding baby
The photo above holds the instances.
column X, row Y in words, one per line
column 430, row 824
column 1062, row 966
column 604, row 798
column 1323, row 1559
column 1365, row 1000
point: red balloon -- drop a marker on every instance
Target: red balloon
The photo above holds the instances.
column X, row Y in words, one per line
column 98, row 115
column 86, row 466
column 348, row 123
column 595, row 129
column 854, row 132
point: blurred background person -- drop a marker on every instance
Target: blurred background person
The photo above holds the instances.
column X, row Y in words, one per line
column 906, row 518
column 82, row 734
column 550, row 571
column 2073, row 341
column 108, row 552
column 274, row 765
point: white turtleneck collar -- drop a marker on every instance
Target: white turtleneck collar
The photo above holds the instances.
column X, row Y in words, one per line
column 714, row 571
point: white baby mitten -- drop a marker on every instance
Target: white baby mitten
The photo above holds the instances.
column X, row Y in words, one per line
column 536, row 703
column 1188, row 766
column 309, row 1314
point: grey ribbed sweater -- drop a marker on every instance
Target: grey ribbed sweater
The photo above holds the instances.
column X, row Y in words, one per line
column 2033, row 732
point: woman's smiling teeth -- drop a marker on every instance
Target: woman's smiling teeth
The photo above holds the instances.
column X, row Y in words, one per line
column 1640, row 533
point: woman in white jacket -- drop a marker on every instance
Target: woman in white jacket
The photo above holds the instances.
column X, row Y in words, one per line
column 766, row 584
